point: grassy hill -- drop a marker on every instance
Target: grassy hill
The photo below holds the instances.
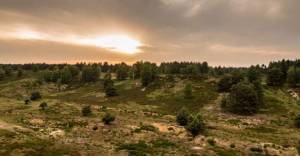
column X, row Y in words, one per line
column 145, row 120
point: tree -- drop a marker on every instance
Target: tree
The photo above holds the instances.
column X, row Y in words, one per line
column 86, row 111
column 108, row 85
column 188, row 91
column 183, row 117
column 35, row 96
column 90, row 73
column 2, row 73
column 259, row 91
column 122, row 71
column 108, row 118
column 111, row 91
column 196, row 126
column 293, row 76
column 243, row 99
column 66, row 75
column 253, row 74
column 228, row 80
column 148, row 73
column 275, row 77
column 204, row 68
column 19, row 72
column 74, row 70
column 107, row 80
column 35, row 68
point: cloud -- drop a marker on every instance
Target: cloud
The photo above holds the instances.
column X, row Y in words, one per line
column 170, row 29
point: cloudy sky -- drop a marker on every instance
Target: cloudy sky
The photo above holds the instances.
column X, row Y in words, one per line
column 222, row 32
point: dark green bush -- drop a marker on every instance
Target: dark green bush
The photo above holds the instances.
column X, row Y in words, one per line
column 297, row 121
column 43, row 105
column 183, row 117
column 211, row 141
column 108, row 118
column 196, row 126
column 243, row 99
column 145, row 127
column 86, row 111
column 27, row 101
column 35, row 96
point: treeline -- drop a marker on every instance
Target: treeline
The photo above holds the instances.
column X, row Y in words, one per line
column 277, row 73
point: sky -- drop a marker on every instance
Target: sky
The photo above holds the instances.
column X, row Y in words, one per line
column 221, row 32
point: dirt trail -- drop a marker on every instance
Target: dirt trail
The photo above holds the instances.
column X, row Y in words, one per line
column 13, row 128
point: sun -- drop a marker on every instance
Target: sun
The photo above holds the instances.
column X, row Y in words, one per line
column 117, row 43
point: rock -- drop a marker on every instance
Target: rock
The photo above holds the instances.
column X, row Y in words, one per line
column 196, row 148
column 57, row 133
column 38, row 122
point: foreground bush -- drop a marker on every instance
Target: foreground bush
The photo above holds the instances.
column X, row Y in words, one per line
column 108, row 118
column 243, row 99
column 86, row 111
column 43, row 105
column 35, row 96
column 196, row 126
column 297, row 121
column 183, row 117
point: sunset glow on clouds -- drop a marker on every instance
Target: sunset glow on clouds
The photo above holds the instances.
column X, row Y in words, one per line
column 222, row 32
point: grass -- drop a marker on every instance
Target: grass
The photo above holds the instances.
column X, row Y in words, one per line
column 132, row 107
column 145, row 127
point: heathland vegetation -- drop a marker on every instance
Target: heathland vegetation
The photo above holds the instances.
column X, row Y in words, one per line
column 172, row 108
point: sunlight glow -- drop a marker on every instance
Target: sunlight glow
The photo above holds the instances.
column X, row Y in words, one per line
column 28, row 35
column 114, row 42
column 118, row 43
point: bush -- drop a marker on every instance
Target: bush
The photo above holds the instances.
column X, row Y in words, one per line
column 211, row 141
column 111, row 91
column 86, row 111
column 146, row 128
column 108, row 118
column 35, row 96
column 2, row 73
column 228, row 80
column 43, row 105
column 90, row 73
column 243, row 99
column 183, row 117
column 196, row 126
column 26, row 101
column 297, row 121
column 275, row 77
column 188, row 91
column 136, row 149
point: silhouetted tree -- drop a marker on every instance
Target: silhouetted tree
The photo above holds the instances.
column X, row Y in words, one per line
column 275, row 77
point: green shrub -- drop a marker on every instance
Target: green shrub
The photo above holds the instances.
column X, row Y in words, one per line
column 86, row 111
column 146, row 127
column 188, row 91
column 136, row 149
column 35, row 96
column 211, row 141
column 297, row 121
column 232, row 145
column 43, row 105
column 243, row 99
column 27, row 101
column 256, row 149
column 196, row 126
column 183, row 117
column 111, row 91
column 162, row 143
column 108, row 118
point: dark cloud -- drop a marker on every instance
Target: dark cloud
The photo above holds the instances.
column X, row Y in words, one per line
column 231, row 32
